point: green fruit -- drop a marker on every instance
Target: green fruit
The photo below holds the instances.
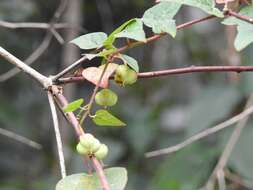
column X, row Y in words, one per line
column 125, row 76
column 106, row 97
column 131, row 77
column 87, row 140
column 95, row 146
column 102, row 152
column 81, row 149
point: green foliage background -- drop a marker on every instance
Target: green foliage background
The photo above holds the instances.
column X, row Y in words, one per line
column 158, row 112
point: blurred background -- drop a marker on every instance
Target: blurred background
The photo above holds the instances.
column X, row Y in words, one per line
column 159, row 112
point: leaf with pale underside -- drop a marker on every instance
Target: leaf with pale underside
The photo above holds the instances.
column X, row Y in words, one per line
column 90, row 41
column 244, row 29
column 131, row 62
column 93, row 74
column 206, row 5
column 116, row 178
column 160, row 18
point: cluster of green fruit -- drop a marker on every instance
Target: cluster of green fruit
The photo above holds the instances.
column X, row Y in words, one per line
column 90, row 146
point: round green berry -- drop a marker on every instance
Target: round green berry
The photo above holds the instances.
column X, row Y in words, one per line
column 87, row 140
column 125, row 76
column 102, row 152
column 95, row 146
column 131, row 77
column 106, row 97
column 81, row 149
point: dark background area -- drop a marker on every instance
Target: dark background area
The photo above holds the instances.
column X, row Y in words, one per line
column 159, row 112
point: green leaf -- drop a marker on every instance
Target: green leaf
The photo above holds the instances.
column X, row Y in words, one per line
column 244, row 29
column 133, row 30
column 116, row 177
column 206, row 5
column 104, row 118
column 111, row 38
column 159, row 18
column 91, row 40
column 131, row 62
column 73, row 105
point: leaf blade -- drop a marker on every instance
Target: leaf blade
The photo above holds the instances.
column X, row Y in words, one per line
column 105, row 118
column 73, row 105
column 111, row 38
column 116, row 177
column 206, row 5
column 131, row 62
column 133, row 30
column 90, row 41
column 244, row 35
column 160, row 18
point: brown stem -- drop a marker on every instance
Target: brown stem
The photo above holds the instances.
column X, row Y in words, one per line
column 191, row 69
column 101, row 174
column 239, row 16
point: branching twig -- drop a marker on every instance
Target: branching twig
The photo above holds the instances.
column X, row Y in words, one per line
column 230, row 146
column 20, row 138
column 57, row 135
column 202, row 134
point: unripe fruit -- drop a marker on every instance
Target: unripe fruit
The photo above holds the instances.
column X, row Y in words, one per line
column 106, row 97
column 95, row 146
column 102, row 152
column 125, row 76
column 131, row 77
column 87, row 140
column 81, row 149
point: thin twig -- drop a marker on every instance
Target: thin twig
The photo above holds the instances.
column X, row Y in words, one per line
column 33, row 25
column 190, row 69
column 57, row 36
column 239, row 16
column 230, row 145
column 202, row 134
column 20, row 138
column 131, row 45
column 57, row 135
